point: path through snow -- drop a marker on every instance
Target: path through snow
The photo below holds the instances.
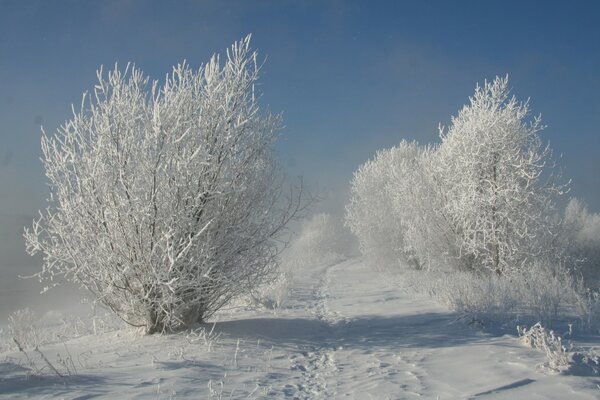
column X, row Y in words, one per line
column 343, row 332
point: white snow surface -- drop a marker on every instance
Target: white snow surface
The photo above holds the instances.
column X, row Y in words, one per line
column 344, row 331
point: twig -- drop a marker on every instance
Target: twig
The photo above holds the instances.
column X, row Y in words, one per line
column 29, row 360
column 70, row 358
column 48, row 362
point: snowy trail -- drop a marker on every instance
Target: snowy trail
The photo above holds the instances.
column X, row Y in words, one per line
column 344, row 332
column 382, row 342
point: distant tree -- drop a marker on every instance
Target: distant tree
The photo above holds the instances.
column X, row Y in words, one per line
column 380, row 191
column 320, row 239
column 370, row 211
column 580, row 239
column 493, row 168
column 418, row 204
column 166, row 202
column 396, row 210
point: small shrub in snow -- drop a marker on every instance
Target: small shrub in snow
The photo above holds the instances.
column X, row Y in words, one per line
column 561, row 358
column 536, row 293
column 271, row 295
column 479, row 296
column 203, row 336
column 587, row 303
column 538, row 337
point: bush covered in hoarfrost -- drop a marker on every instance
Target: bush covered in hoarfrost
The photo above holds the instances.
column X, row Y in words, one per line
column 560, row 357
column 166, row 202
column 538, row 293
column 392, row 210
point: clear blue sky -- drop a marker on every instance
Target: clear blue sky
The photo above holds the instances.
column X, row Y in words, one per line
column 350, row 77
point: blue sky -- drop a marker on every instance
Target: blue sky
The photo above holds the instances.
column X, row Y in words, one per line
column 350, row 77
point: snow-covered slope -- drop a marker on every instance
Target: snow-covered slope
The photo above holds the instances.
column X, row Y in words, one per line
column 343, row 332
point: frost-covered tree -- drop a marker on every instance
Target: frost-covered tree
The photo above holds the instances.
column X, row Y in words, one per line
column 480, row 200
column 373, row 214
column 395, row 210
column 418, row 205
column 492, row 166
column 370, row 211
column 166, row 201
column 580, row 239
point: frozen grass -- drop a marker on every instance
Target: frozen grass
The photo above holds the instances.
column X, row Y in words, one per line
column 551, row 344
column 560, row 357
column 538, row 293
column 28, row 333
column 33, row 331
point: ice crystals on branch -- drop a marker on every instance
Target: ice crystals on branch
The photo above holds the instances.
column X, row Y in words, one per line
column 166, row 201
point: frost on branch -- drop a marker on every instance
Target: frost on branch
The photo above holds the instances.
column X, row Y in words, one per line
column 479, row 201
column 580, row 237
column 492, row 166
column 372, row 214
column 166, row 201
column 395, row 210
column 561, row 358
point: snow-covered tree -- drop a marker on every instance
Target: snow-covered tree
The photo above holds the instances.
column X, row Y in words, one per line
column 166, row 201
column 580, row 239
column 373, row 214
column 492, row 166
column 396, row 207
column 370, row 210
column 418, row 205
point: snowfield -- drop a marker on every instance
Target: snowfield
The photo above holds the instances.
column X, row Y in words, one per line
column 342, row 332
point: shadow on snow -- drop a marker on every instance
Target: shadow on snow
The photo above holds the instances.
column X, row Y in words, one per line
column 15, row 378
column 428, row 330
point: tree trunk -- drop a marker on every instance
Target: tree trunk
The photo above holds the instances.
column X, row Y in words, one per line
column 153, row 325
column 495, row 244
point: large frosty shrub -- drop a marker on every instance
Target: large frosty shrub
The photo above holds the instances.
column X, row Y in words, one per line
column 165, row 200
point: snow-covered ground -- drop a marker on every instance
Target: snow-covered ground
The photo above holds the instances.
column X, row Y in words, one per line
column 344, row 331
